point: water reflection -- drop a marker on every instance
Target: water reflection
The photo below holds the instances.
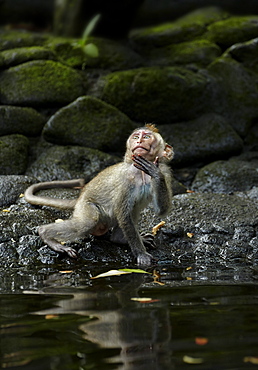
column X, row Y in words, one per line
column 68, row 321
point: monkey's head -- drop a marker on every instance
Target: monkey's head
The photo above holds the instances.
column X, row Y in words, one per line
column 147, row 142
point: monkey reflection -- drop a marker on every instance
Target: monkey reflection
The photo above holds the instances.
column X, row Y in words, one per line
column 114, row 199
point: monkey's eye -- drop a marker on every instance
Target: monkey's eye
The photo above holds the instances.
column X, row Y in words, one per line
column 147, row 136
column 135, row 136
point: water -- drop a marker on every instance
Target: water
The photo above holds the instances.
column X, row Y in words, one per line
column 197, row 317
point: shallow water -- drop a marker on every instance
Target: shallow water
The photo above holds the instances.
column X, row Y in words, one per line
column 197, row 316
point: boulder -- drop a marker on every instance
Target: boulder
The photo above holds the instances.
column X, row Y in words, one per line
column 158, row 94
column 68, row 162
column 235, row 175
column 12, row 57
column 40, row 83
column 19, row 120
column 89, row 122
column 14, row 154
column 12, row 187
column 201, row 140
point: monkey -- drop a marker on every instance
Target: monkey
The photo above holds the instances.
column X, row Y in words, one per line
column 114, row 198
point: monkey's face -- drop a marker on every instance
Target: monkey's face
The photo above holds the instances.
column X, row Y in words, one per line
column 144, row 143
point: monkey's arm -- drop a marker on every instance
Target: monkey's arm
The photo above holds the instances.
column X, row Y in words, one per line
column 161, row 179
column 127, row 223
column 52, row 202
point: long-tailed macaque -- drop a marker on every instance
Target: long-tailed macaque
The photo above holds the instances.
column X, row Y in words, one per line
column 114, row 198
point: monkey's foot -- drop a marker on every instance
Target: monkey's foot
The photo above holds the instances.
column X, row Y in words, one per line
column 144, row 259
column 148, row 240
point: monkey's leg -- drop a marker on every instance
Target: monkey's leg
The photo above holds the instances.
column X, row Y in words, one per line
column 77, row 227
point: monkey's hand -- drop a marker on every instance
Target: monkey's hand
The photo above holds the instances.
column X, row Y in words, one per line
column 150, row 168
column 144, row 259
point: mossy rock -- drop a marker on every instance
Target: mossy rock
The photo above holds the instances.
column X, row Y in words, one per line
column 157, row 94
column 186, row 28
column 10, row 39
column 19, row 120
column 112, row 55
column 14, row 154
column 233, row 30
column 89, row 122
column 17, row 56
column 40, row 83
column 246, row 53
column 68, row 162
column 239, row 92
column 200, row 52
column 206, row 138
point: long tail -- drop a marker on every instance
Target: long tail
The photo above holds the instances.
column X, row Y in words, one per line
column 30, row 196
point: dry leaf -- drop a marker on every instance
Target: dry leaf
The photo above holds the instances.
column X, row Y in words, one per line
column 66, row 272
column 201, row 341
column 253, row 360
column 48, row 317
column 110, row 273
column 21, row 195
column 188, row 268
column 5, row 210
column 144, row 300
column 190, row 235
column 192, row 360
column 156, row 228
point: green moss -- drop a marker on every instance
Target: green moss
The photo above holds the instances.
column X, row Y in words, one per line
column 14, row 153
column 233, row 30
column 161, row 95
column 40, row 83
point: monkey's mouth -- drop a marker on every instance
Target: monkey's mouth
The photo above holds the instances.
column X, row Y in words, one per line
column 140, row 147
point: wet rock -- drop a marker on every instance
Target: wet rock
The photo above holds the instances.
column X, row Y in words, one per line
column 233, row 30
column 89, row 122
column 227, row 177
column 200, row 140
column 18, row 120
column 14, row 154
column 251, row 139
column 17, row 56
column 112, row 55
column 68, row 162
column 158, row 94
column 40, row 83
column 11, row 187
column 8, row 255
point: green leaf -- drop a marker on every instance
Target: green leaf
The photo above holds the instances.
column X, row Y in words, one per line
column 90, row 26
column 138, row 271
column 91, row 50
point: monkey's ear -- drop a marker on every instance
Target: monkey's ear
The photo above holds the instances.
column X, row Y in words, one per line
column 168, row 152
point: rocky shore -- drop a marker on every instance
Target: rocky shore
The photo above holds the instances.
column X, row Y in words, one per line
column 66, row 114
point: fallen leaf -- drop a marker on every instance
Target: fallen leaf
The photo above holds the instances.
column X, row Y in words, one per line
column 120, row 272
column 21, row 195
column 138, row 271
column 144, row 300
column 192, row 360
column 66, row 271
column 48, row 317
column 253, row 360
column 201, row 341
column 110, row 273
column 188, row 268
column 156, row 228
column 5, row 210
column 190, row 235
